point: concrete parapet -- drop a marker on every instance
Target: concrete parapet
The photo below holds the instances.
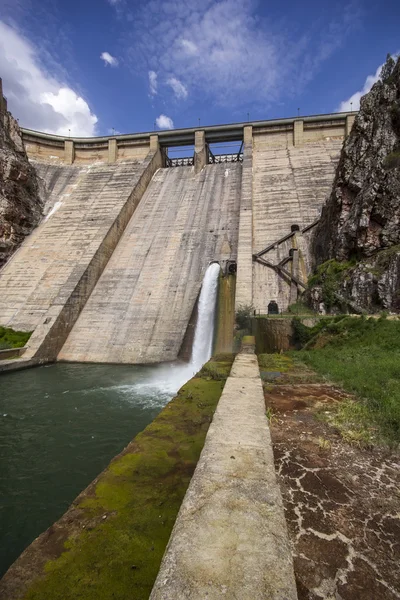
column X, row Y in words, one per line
column 69, row 152
column 298, row 133
column 349, row 123
column 154, row 143
column 244, row 279
column 200, row 151
column 230, row 538
column 112, row 150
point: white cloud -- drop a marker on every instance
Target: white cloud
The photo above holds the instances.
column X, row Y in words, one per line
column 225, row 51
column 353, row 103
column 189, row 47
column 179, row 89
column 108, row 59
column 164, row 122
column 153, row 83
column 39, row 100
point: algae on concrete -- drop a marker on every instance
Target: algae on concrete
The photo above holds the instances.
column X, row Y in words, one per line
column 111, row 541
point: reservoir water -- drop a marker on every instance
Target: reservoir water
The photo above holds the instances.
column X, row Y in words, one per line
column 60, row 425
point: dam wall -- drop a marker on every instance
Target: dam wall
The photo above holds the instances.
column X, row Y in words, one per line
column 48, row 280
column 256, row 207
column 143, row 301
column 290, row 185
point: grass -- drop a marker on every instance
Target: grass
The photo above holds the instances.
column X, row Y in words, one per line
column 363, row 356
column 13, row 339
column 130, row 511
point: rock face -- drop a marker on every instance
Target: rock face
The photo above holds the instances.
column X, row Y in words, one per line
column 361, row 219
column 20, row 204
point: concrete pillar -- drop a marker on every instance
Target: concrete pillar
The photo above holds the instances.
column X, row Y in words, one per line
column 154, row 143
column 295, row 273
column 349, row 123
column 69, row 152
column 244, row 277
column 298, row 129
column 112, row 150
column 248, row 134
column 200, row 151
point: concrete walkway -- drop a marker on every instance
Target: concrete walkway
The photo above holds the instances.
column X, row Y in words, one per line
column 230, row 538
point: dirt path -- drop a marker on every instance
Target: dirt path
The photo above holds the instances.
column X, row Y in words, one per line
column 342, row 502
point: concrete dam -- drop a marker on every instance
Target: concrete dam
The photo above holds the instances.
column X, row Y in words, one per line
column 113, row 272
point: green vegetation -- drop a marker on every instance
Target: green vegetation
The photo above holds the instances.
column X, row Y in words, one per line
column 299, row 308
column 129, row 513
column 363, row 356
column 392, row 160
column 13, row 339
column 291, row 370
column 329, row 276
column 243, row 317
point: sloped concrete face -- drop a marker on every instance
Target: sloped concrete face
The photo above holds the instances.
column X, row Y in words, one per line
column 142, row 303
column 230, row 538
column 290, row 186
column 45, row 285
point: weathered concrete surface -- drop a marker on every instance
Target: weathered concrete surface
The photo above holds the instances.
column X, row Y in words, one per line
column 290, row 185
column 47, row 282
column 230, row 538
column 244, row 280
column 141, row 306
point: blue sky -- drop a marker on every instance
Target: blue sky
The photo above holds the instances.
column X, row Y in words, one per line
column 89, row 66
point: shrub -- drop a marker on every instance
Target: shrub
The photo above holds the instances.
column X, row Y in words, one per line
column 329, row 276
column 243, row 317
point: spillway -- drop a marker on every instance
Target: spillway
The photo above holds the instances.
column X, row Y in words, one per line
column 143, row 301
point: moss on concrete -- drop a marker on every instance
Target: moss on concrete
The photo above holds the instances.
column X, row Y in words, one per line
column 225, row 313
column 129, row 513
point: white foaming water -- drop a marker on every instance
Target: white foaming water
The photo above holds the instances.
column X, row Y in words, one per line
column 168, row 378
column 203, row 337
column 156, row 385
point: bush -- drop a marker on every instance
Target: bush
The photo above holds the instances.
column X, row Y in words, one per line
column 13, row 339
column 243, row 317
column 329, row 276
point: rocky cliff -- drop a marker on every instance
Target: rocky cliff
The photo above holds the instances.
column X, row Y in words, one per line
column 20, row 204
column 360, row 223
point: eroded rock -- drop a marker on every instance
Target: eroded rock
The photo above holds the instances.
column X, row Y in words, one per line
column 362, row 216
column 20, row 204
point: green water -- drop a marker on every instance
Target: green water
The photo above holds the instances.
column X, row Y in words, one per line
column 60, row 425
